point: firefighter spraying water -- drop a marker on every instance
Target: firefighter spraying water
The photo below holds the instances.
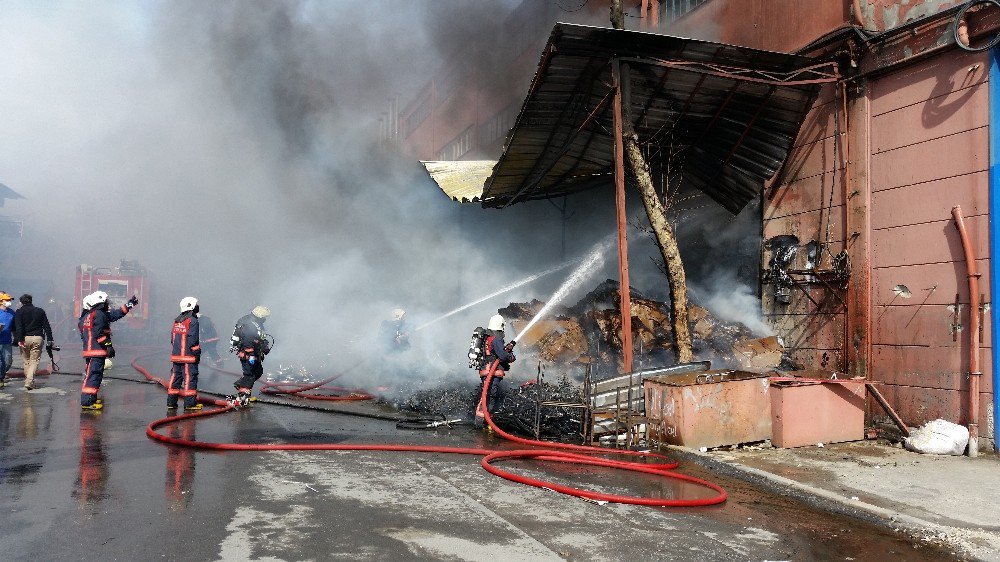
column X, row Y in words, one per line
column 491, row 355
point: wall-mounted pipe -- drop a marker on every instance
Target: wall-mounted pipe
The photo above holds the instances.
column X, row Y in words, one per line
column 974, row 372
column 994, row 129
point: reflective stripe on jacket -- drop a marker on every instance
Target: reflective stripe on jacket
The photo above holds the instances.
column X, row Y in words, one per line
column 95, row 330
column 185, row 339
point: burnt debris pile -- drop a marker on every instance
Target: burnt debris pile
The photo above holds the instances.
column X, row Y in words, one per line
column 588, row 334
column 566, row 344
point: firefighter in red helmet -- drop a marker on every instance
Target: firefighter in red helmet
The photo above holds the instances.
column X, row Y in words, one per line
column 185, row 356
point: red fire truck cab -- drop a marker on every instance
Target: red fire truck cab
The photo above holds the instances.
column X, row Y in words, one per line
column 120, row 283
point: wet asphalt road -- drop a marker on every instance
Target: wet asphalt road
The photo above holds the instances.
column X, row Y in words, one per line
column 78, row 484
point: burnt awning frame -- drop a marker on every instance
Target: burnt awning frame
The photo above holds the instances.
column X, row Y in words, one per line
column 566, row 160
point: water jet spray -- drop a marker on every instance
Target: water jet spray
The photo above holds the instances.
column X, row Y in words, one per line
column 500, row 291
column 584, row 271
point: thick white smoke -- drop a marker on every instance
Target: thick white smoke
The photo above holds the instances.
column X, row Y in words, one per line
column 230, row 147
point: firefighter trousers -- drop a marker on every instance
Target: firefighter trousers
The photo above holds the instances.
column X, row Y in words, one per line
column 183, row 384
column 493, row 394
column 251, row 372
column 93, row 376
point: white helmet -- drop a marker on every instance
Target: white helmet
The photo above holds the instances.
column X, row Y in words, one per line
column 188, row 303
column 496, row 323
column 94, row 299
column 398, row 313
column 261, row 312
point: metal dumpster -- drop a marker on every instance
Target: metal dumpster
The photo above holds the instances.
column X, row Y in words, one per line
column 810, row 411
column 708, row 409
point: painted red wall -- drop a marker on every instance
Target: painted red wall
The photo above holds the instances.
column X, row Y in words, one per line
column 808, row 202
column 774, row 25
column 929, row 152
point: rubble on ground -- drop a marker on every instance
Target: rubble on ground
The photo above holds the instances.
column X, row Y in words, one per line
column 587, row 335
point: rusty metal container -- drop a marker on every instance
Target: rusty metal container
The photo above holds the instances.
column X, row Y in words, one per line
column 810, row 412
column 708, row 409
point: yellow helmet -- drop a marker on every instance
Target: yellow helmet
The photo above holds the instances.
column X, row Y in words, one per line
column 261, row 312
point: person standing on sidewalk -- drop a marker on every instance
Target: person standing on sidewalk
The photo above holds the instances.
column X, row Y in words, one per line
column 6, row 335
column 31, row 328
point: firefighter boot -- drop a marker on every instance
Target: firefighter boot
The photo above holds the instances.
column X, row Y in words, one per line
column 95, row 407
column 244, row 398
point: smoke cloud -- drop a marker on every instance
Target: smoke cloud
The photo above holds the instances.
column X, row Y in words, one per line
column 232, row 149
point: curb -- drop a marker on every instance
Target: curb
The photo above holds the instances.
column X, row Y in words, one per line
column 826, row 500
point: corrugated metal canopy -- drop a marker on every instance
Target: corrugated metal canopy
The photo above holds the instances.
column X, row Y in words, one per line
column 734, row 111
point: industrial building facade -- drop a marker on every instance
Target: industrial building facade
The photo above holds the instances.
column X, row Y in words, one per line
column 864, row 268
column 880, row 163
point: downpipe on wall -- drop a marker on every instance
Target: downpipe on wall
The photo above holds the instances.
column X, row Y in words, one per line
column 974, row 372
column 994, row 198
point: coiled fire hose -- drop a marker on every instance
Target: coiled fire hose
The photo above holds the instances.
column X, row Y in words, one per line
column 554, row 452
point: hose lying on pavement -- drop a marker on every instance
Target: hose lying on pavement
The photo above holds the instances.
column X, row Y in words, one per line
column 298, row 389
column 584, row 455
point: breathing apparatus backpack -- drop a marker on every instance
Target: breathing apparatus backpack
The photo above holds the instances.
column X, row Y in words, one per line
column 477, row 348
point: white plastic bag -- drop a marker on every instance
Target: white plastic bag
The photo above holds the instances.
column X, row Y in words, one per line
column 938, row 437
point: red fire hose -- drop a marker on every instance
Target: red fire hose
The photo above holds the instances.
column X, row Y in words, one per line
column 297, row 389
column 489, row 456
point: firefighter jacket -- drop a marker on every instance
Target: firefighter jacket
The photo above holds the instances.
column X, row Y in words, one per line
column 95, row 330
column 249, row 338
column 185, row 338
column 496, row 349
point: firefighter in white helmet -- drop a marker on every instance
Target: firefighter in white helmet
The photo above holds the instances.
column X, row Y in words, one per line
column 498, row 357
column 185, row 337
column 251, row 343
column 95, row 331
column 394, row 333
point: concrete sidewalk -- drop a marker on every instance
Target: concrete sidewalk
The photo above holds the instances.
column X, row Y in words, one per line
column 946, row 499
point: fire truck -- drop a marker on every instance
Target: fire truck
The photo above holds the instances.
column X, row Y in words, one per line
column 120, row 283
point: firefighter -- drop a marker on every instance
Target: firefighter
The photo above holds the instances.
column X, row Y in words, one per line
column 184, row 357
column 95, row 331
column 499, row 355
column 210, row 342
column 394, row 332
column 251, row 343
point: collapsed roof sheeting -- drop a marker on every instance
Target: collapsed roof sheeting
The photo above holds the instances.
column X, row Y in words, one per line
column 461, row 180
column 734, row 111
